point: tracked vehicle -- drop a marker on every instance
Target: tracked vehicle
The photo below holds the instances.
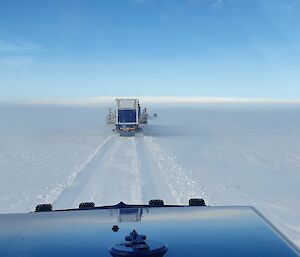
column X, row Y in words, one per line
column 153, row 229
column 127, row 117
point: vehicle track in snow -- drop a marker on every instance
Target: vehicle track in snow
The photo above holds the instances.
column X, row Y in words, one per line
column 154, row 185
column 68, row 195
column 133, row 170
column 120, row 178
column 110, row 177
column 179, row 180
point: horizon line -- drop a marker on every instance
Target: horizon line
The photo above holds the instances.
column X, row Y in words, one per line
column 100, row 100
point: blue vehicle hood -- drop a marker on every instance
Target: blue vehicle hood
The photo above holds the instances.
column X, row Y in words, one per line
column 187, row 231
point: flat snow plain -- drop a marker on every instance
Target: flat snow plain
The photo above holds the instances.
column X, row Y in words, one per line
column 228, row 154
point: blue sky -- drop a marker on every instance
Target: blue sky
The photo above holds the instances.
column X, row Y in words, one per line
column 226, row 48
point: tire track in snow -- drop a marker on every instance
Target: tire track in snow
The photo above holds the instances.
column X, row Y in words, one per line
column 82, row 174
column 119, row 179
column 153, row 186
column 179, row 181
column 133, row 170
column 136, row 172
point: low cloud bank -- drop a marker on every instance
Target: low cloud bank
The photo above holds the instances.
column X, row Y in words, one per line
column 107, row 100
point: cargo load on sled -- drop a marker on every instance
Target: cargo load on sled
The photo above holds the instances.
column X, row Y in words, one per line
column 127, row 117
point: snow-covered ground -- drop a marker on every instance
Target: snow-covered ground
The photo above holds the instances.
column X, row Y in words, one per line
column 228, row 154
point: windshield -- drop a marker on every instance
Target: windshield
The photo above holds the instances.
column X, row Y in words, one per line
column 213, row 93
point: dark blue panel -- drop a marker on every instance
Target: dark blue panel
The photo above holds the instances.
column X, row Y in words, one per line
column 187, row 231
column 125, row 116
